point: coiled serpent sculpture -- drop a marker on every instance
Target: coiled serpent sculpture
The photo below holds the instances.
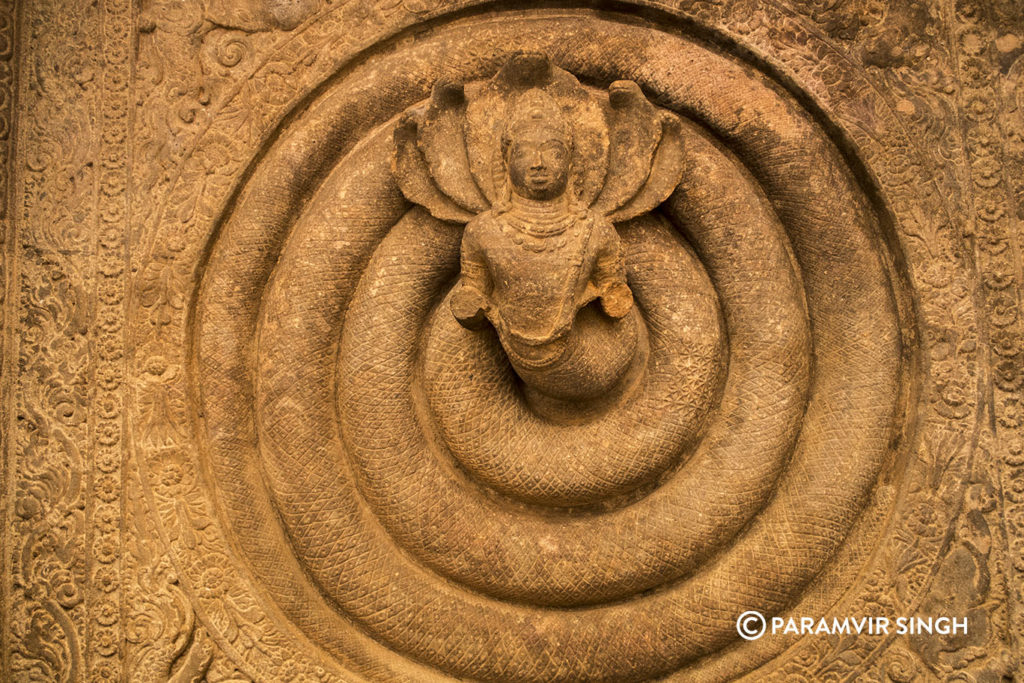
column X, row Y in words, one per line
column 565, row 386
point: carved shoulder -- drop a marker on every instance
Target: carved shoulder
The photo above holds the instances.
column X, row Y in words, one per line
column 604, row 238
column 477, row 229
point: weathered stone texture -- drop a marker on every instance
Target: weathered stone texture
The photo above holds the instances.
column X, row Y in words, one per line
column 408, row 340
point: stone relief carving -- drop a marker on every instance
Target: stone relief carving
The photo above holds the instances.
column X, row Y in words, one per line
column 546, row 169
column 402, row 341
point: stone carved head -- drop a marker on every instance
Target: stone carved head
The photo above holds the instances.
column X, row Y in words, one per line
column 536, row 147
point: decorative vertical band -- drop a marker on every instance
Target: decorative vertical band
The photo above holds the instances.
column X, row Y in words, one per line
column 8, row 67
column 104, row 663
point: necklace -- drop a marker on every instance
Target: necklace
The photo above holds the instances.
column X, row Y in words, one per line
column 537, row 226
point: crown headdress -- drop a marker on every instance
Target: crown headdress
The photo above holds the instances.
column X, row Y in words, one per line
column 536, row 110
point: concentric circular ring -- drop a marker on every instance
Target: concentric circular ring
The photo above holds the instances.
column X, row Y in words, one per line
column 566, row 560
column 798, row 275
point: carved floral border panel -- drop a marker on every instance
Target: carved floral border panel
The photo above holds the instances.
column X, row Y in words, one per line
column 134, row 125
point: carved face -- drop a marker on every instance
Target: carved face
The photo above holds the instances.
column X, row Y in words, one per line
column 538, row 163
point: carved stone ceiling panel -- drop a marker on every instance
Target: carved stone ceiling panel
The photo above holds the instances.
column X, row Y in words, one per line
column 408, row 340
